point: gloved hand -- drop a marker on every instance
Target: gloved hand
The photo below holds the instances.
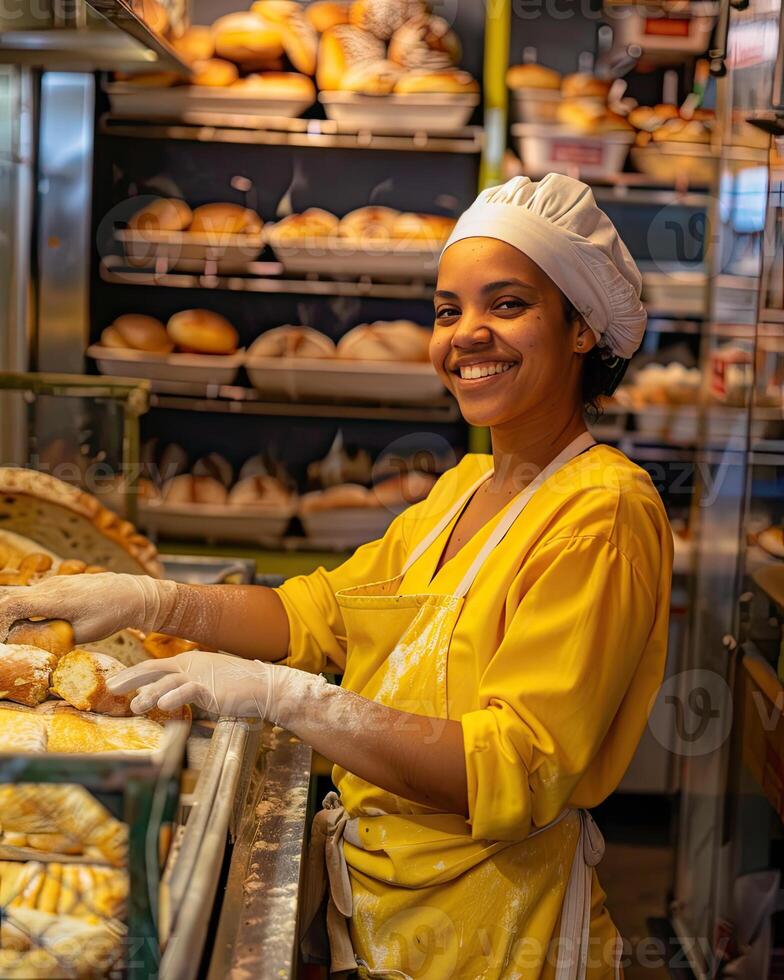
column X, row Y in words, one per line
column 220, row 684
column 96, row 606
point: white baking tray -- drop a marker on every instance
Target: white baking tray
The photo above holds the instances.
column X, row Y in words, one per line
column 181, row 249
column 238, row 525
column 349, row 258
column 671, row 161
column 138, row 102
column 335, row 379
column 558, row 148
column 219, row 369
column 534, row 105
column 346, row 527
column 415, row 113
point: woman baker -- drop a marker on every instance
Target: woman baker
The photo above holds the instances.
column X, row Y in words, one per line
column 500, row 646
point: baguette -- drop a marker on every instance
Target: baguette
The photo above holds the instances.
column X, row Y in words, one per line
column 25, row 673
column 53, row 635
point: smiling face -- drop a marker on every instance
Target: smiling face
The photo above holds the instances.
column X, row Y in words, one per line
column 501, row 342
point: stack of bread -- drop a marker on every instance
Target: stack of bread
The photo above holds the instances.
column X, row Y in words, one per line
column 665, row 122
column 211, row 481
column 267, row 52
column 372, row 224
column 393, row 340
column 216, row 221
column 380, row 47
column 189, row 332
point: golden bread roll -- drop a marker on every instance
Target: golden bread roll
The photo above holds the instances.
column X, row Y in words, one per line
column 246, row 39
column 72, row 566
column 54, row 843
column 682, row 131
column 449, row 80
column 150, row 79
column 21, row 732
column 80, row 680
column 772, row 541
column 590, row 119
column 324, row 14
column 194, row 44
column 277, row 85
column 403, row 489
column 216, row 466
column 259, row 491
column 704, row 115
column 297, row 34
column 13, row 839
column 145, row 333
column 312, row 223
column 29, row 570
column 112, row 338
column 152, row 13
column 372, row 78
column 413, row 226
column 342, row 464
column 202, row 332
column 371, row 222
column 25, row 673
column 383, row 17
column 174, row 460
column 163, row 214
column 291, row 341
column 161, row 645
column 53, row 635
column 532, row 76
column 206, row 490
column 225, row 219
column 341, row 48
column 584, row 85
column 336, row 498
column 178, row 489
column 214, row 73
column 396, row 340
column 426, row 42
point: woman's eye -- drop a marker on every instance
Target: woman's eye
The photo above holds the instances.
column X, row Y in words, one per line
column 510, row 303
column 444, row 312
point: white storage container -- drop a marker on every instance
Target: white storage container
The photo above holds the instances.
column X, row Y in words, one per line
column 300, row 379
column 218, row 369
column 672, row 162
column 348, row 527
column 557, row 148
column 184, row 249
column 534, row 105
column 137, row 102
column 415, row 113
column 237, row 525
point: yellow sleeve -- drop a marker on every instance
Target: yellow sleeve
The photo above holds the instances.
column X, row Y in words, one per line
column 557, row 683
column 316, row 631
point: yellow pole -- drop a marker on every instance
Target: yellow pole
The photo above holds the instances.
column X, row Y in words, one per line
column 498, row 18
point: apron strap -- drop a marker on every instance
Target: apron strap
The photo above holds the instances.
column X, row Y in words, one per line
column 516, row 507
column 429, row 538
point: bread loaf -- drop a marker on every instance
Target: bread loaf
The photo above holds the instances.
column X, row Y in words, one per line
column 413, row 226
column 162, row 214
column 215, row 466
column 21, row 731
column 290, row 341
column 139, row 332
column 247, row 39
column 53, row 635
column 194, row 44
column 225, row 219
column 341, row 48
column 324, row 14
column 202, row 332
column 532, row 76
column 25, row 673
column 297, row 34
column 383, row 17
column 259, row 491
column 451, row 80
column 584, row 85
column 344, row 496
column 70, row 730
column 29, row 570
column 80, row 679
column 396, row 340
column 369, row 223
column 214, row 73
column 396, row 492
column 372, row 77
column 277, row 85
column 311, row 224
column 772, row 541
column 425, row 43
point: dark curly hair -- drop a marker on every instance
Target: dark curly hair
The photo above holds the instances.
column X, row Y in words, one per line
column 598, row 377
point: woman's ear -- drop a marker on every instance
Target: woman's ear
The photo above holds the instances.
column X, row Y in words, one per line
column 584, row 339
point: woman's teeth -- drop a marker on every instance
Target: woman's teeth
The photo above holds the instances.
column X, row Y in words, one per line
column 474, row 371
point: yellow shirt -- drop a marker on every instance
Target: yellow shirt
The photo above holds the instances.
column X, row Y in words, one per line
column 561, row 644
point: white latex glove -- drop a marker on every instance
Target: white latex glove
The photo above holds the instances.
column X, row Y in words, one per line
column 96, row 606
column 220, row 684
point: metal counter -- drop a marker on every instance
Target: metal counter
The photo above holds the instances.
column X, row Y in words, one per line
column 257, row 930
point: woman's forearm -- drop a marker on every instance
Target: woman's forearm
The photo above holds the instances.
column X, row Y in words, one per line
column 247, row 620
column 413, row 756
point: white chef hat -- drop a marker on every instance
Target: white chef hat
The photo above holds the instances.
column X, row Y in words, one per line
column 555, row 222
